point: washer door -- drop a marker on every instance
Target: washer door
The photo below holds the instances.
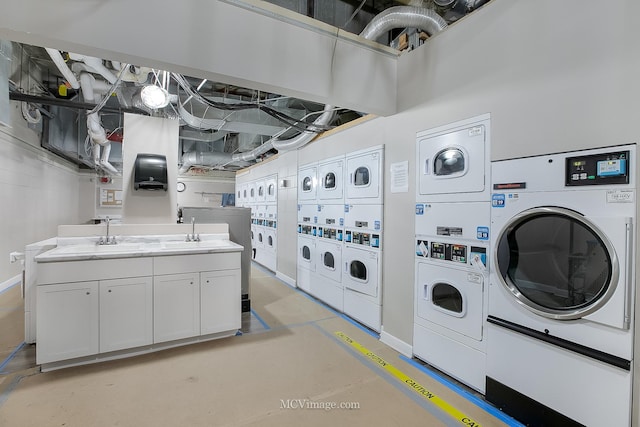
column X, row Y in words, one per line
column 556, row 263
column 361, row 271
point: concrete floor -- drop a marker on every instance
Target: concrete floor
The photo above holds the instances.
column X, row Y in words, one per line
column 287, row 369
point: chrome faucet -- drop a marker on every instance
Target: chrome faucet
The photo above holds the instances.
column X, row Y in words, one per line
column 106, row 240
column 193, row 237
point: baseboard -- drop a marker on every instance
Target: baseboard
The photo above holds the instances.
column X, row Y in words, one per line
column 286, row 279
column 396, row 343
column 15, row 280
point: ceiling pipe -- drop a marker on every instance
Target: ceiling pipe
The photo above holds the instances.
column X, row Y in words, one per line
column 394, row 17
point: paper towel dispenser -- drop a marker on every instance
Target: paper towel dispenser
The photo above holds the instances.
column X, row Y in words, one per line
column 150, row 172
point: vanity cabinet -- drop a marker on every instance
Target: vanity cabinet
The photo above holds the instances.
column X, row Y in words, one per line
column 96, row 309
column 176, row 304
column 67, row 321
column 126, row 313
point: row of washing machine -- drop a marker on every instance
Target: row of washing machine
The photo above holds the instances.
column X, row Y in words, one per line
column 261, row 197
column 340, row 233
column 525, row 275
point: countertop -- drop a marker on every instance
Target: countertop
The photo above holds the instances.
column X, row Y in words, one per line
column 131, row 248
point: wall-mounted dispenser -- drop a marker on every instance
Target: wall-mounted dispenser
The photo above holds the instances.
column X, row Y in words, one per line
column 150, row 172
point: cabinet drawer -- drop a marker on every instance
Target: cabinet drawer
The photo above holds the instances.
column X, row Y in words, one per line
column 94, row 269
column 196, row 262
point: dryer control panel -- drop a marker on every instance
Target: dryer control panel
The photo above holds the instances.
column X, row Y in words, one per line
column 458, row 253
column 597, row 169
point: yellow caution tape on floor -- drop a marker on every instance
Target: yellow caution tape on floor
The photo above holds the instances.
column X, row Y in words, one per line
column 422, row 391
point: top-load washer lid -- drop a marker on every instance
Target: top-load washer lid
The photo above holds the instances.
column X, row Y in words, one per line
column 450, row 161
column 556, row 263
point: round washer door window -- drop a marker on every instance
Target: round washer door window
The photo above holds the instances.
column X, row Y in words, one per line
column 449, row 161
column 329, row 261
column 330, row 181
column 361, row 177
column 306, row 184
column 306, row 253
column 358, row 270
column 556, row 263
column 447, row 298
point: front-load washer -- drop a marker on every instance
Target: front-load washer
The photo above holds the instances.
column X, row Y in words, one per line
column 560, row 324
column 363, row 178
column 261, row 191
column 306, row 261
column 271, row 188
column 307, row 183
column 454, row 161
column 326, row 284
column 331, row 180
column 361, row 279
column 452, row 273
column 251, row 190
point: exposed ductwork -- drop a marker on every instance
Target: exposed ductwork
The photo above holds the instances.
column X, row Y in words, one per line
column 394, row 17
column 404, row 17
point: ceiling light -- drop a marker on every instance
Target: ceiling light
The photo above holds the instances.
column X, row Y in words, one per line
column 154, row 97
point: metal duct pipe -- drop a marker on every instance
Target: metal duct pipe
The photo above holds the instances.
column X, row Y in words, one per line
column 404, row 17
column 291, row 143
column 211, row 159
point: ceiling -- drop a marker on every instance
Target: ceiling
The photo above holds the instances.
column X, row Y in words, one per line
column 217, row 120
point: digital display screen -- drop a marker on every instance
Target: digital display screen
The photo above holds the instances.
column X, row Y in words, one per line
column 597, row 169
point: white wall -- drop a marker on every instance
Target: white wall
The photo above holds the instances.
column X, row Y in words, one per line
column 38, row 191
column 152, row 135
column 205, row 192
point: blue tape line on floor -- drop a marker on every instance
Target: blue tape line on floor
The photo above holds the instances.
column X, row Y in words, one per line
column 462, row 392
column 8, row 359
column 264, row 324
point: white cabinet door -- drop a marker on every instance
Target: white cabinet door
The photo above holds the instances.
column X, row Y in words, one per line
column 126, row 313
column 220, row 301
column 176, row 302
column 67, row 321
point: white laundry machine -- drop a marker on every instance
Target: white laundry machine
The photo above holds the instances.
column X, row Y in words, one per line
column 306, row 257
column 450, row 299
column 326, row 284
column 362, row 261
column 271, row 185
column 251, row 192
column 307, row 183
column 331, row 180
column 454, row 160
column 562, row 288
column 363, row 177
column 261, row 191
column 306, row 264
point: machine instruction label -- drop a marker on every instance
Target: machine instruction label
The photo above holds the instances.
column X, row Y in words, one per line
column 621, row 196
column 419, row 209
column 482, row 233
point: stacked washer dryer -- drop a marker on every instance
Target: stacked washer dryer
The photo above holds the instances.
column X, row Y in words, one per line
column 452, row 247
column 340, row 233
column 261, row 197
column 307, row 225
column 362, row 252
column 562, row 290
column 327, row 283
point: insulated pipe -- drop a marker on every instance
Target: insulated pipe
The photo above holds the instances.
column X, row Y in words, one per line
column 56, row 56
column 96, row 64
column 404, row 17
column 208, row 158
